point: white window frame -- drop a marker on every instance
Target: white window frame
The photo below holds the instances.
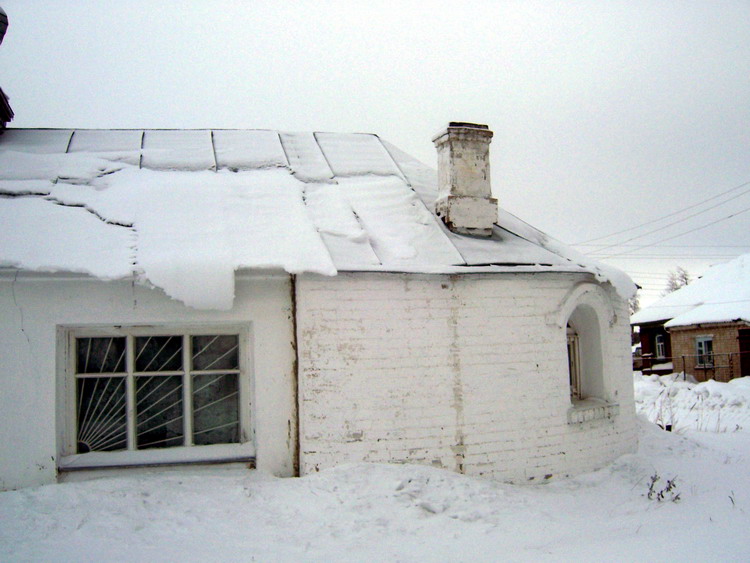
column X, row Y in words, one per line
column 242, row 451
column 701, row 353
column 659, row 344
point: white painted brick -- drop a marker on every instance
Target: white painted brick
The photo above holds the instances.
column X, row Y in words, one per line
column 400, row 368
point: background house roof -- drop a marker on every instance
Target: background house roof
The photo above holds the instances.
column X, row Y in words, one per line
column 184, row 209
column 721, row 295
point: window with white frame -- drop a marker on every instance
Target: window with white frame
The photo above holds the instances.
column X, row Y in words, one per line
column 704, row 349
column 145, row 389
column 660, row 347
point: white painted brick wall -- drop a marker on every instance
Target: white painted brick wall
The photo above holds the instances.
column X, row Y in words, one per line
column 464, row 372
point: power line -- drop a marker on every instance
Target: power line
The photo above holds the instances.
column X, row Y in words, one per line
column 672, row 256
column 679, row 235
column 673, row 223
column 686, row 254
column 708, row 303
column 653, row 275
column 667, row 216
column 682, row 245
column 667, row 259
column 645, row 275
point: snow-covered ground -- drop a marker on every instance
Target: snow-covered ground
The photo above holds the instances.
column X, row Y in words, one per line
column 687, row 405
column 409, row 513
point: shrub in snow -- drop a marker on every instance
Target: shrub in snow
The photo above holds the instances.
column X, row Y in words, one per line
column 666, row 493
column 711, row 406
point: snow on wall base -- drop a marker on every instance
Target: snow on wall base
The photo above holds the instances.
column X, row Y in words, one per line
column 464, row 372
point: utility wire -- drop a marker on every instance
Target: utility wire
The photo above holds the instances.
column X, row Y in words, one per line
column 679, row 235
column 669, row 255
column 681, row 245
column 667, row 216
column 673, row 223
column 707, row 303
column 675, row 259
column 648, row 274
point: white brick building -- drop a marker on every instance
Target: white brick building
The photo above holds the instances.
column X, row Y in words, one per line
column 296, row 301
column 467, row 372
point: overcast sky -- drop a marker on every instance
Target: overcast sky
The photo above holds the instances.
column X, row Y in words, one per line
column 606, row 115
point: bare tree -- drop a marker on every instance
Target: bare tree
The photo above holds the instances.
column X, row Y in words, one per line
column 677, row 278
column 634, row 304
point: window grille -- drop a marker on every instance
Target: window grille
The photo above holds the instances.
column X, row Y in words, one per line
column 141, row 391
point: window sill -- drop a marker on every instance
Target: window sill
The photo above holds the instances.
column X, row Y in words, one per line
column 219, row 453
column 586, row 410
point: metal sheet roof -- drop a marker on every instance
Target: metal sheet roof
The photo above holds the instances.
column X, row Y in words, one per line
column 369, row 205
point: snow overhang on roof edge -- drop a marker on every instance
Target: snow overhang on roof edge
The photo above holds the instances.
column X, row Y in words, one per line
column 111, row 204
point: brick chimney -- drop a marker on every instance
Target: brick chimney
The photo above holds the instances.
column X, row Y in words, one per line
column 465, row 202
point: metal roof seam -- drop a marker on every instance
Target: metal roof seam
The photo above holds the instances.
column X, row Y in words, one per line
column 328, row 162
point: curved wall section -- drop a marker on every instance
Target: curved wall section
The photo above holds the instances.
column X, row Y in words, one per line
column 465, row 372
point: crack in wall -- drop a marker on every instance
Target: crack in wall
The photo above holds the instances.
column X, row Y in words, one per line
column 20, row 309
column 459, row 447
column 294, row 422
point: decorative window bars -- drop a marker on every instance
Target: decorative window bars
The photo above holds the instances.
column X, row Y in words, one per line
column 140, row 391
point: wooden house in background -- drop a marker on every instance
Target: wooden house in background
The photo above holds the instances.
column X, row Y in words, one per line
column 702, row 329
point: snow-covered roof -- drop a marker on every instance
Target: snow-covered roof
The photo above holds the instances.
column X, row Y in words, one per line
column 184, row 209
column 721, row 295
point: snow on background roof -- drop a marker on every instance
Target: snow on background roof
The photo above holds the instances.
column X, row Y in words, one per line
column 722, row 294
column 184, row 209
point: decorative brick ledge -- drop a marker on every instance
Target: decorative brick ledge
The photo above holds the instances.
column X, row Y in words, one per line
column 587, row 410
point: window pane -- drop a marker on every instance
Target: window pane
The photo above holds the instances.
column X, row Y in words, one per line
column 158, row 353
column 100, row 355
column 660, row 347
column 216, row 352
column 158, row 411
column 101, row 414
column 216, row 412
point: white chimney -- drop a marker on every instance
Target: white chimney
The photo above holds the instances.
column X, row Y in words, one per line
column 465, row 202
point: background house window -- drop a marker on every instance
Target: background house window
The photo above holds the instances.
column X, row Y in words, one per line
column 660, row 347
column 704, row 349
column 142, row 391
